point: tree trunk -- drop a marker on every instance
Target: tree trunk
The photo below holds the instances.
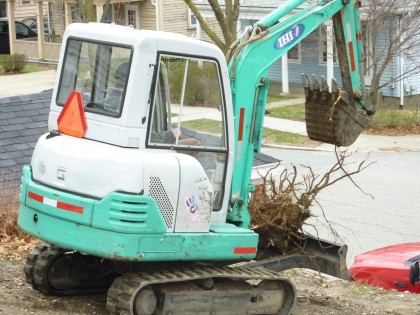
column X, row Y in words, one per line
column 227, row 21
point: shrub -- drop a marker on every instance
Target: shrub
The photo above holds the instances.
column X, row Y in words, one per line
column 13, row 63
column 202, row 84
column 394, row 118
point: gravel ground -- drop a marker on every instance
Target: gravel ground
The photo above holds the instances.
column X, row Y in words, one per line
column 315, row 295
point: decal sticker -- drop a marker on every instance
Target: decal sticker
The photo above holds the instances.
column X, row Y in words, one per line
column 240, row 134
column 351, row 50
column 41, row 167
column 192, row 208
column 289, row 37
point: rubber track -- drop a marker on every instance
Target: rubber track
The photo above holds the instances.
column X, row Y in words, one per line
column 39, row 261
column 29, row 266
column 124, row 289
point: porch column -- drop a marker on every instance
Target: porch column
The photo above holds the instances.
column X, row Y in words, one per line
column 12, row 28
column 330, row 52
column 67, row 14
column 199, row 32
column 159, row 5
column 285, row 74
column 99, row 11
column 41, row 35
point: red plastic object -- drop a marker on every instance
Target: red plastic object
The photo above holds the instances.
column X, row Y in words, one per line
column 72, row 119
column 387, row 267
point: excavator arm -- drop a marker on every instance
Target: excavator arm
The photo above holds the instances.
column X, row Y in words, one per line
column 332, row 116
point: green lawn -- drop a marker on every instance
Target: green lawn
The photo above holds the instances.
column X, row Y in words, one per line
column 31, row 67
column 282, row 137
column 293, row 112
column 384, row 118
column 279, row 98
column 203, row 125
column 269, row 135
column 394, row 118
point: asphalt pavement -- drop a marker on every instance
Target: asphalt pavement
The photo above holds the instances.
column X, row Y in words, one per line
column 21, row 84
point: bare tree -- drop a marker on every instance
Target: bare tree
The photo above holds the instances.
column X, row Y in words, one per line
column 227, row 18
column 391, row 32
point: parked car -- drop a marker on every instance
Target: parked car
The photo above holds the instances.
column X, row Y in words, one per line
column 32, row 23
column 392, row 267
column 22, row 31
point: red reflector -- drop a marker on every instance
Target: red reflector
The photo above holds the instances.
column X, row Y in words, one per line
column 69, row 207
column 35, row 197
column 241, row 124
column 54, row 203
column 72, row 120
column 245, row 250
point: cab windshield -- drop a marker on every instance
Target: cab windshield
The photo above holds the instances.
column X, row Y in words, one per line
column 99, row 72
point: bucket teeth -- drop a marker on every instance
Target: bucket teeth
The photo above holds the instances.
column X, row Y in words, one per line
column 305, row 81
column 306, row 85
column 325, row 89
column 316, row 91
column 324, row 84
column 334, row 86
column 315, row 83
column 329, row 116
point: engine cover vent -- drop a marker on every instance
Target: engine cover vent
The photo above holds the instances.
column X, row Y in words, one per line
column 157, row 191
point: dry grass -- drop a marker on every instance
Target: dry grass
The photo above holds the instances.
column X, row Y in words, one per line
column 14, row 244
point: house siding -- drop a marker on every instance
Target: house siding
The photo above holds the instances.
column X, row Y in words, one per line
column 175, row 17
column 412, row 62
column 23, row 10
column 391, row 71
column 57, row 20
column 309, row 64
column 147, row 16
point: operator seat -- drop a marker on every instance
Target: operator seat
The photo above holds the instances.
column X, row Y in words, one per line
column 114, row 96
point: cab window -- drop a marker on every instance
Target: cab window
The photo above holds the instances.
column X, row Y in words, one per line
column 99, row 72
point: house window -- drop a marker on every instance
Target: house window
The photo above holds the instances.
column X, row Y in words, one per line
column 109, row 14
column 192, row 20
column 3, row 9
column 323, row 52
column 132, row 16
column 76, row 14
column 294, row 55
column 244, row 23
column 25, row 2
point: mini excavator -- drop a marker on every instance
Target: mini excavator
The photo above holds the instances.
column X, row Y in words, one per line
column 141, row 186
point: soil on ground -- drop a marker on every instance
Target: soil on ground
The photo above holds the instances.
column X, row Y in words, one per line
column 315, row 295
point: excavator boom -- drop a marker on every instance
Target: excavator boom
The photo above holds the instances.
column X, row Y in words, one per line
column 333, row 115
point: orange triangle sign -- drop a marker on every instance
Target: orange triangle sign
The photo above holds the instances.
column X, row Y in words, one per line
column 72, row 120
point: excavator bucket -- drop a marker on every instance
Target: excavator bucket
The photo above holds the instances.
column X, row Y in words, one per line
column 330, row 116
